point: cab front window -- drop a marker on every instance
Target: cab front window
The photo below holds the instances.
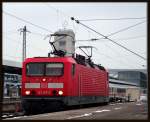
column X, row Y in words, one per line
column 54, row 69
column 35, row 69
column 44, row 68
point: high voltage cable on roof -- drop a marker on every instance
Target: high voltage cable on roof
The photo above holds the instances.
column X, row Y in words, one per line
column 113, row 19
column 27, row 22
column 78, row 22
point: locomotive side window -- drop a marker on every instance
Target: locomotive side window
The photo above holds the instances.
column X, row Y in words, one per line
column 35, row 69
column 54, row 69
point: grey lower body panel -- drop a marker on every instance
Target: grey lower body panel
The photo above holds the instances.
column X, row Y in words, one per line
column 87, row 100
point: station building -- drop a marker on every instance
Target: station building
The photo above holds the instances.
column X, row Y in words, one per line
column 137, row 77
column 12, row 78
column 124, row 90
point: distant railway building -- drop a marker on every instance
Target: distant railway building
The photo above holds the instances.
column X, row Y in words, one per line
column 137, row 77
column 11, row 78
column 123, row 90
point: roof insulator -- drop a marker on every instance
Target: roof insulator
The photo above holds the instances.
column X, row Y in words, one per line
column 77, row 21
column 72, row 18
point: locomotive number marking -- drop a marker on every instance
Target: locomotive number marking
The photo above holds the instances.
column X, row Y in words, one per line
column 43, row 85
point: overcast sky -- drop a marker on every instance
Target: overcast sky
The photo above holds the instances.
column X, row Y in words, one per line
column 55, row 16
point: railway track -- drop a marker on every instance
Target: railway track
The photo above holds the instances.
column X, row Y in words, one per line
column 12, row 115
column 12, row 108
column 130, row 110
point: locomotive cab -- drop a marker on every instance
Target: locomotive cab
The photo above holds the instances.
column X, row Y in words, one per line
column 46, row 79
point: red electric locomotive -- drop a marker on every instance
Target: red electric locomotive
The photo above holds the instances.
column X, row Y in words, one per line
column 61, row 81
column 49, row 82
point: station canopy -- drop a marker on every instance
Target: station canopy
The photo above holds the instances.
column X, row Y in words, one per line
column 121, row 86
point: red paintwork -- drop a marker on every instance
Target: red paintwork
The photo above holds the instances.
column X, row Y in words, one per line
column 86, row 81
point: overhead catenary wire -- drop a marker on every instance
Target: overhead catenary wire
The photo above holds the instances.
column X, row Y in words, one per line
column 118, row 54
column 128, row 18
column 94, row 39
column 27, row 21
column 112, row 58
column 131, row 38
column 78, row 22
column 57, row 10
column 117, row 59
column 16, row 32
column 16, row 41
column 62, row 13
column 121, row 30
column 39, row 34
column 121, row 60
column 105, row 37
column 124, row 29
column 121, row 39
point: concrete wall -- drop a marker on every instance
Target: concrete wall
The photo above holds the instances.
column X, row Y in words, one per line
column 134, row 93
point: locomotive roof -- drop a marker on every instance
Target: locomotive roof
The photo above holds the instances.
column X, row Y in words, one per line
column 59, row 59
column 47, row 59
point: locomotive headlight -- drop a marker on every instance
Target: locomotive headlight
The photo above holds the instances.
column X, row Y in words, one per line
column 27, row 92
column 60, row 92
column 44, row 79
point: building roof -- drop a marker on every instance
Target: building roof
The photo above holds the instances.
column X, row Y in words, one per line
column 122, row 82
column 115, row 71
column 11, row 63
column 121, row 86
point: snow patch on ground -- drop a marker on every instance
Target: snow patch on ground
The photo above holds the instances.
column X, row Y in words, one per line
column 98, row 111
column 5, row 116
column 117, row 108
column 139, row 104
column 89, row 114
column 112, row 104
